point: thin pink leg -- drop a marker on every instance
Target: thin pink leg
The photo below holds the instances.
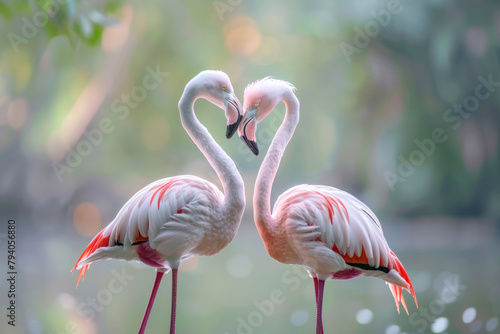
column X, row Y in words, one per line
column 159, row 275
column 174, row 301
column 319, row 304
column 315, row 279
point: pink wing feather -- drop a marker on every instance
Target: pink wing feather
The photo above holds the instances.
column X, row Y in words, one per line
column 143, row 217
column 346, row 226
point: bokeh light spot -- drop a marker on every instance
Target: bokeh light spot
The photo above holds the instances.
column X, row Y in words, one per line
column 66, row 301
column 241, row 36
column 239, row 266
column 469, row 315
column 299, row 318
column 87, row 219
column 364, row 316
column 440, row 325
column 492, row 324
column 393, row 329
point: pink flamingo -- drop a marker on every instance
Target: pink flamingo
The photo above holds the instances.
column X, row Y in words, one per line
column 176, row 218
column 328, row 231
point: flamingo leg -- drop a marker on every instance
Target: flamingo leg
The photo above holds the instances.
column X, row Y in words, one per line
column 174, row 301
column 319, row 286
column 159, row 276
column 315, row 279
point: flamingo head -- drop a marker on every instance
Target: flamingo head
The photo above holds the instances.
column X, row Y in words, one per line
column 215, row 86
column 260, row 98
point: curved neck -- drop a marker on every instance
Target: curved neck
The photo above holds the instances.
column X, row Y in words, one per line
column 232, row 183
column 270, row 165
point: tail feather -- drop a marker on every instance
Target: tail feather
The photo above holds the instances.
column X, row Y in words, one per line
column 395, row 264
column 99, row 241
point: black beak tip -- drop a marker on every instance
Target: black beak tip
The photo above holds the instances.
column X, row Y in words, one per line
column 231, row 128
column 255, row 148
column 252, row 145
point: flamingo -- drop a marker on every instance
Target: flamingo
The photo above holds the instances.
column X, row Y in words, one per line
column 179, row 217
column 328, row 231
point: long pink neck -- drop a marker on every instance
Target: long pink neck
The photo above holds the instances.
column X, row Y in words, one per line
column 223, row 165
column 269, row 168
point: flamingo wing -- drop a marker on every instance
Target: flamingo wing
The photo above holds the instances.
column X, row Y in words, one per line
column 171, row 214
column 318, row 216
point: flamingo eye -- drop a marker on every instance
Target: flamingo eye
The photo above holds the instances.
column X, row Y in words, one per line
column 224, row 87
column 256, row 104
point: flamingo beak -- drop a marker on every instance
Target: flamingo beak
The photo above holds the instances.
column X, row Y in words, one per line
column 252, row 145
column 247, row 132
column 235, row 105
